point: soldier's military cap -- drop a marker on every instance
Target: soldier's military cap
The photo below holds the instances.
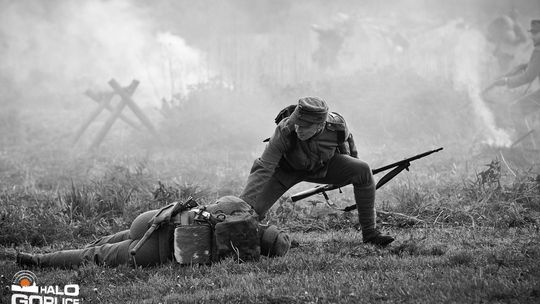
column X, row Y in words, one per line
column 535, row 26
column 310, row 110
column 274, row 241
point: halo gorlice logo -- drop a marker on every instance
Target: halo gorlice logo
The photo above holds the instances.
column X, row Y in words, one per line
column 26, row 291
column 24, row 281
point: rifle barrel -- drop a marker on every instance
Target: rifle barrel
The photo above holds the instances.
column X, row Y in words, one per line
column 407, row 160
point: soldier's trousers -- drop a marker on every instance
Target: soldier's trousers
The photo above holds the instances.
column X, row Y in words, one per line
column 114, row 250
column 342, row 169
column 525, row 107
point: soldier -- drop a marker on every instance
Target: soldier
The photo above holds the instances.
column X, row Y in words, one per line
column 507, row 35
column 530, row 103
column 114, row 250
column 313, row 145
column 331, row 40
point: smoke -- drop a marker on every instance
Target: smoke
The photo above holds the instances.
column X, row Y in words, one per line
column 470, row 53
column 69, row 46
column 185, row 65
column 409, row 61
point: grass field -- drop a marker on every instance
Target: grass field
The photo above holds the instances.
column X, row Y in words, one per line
column 468, row 239
column 426, row 265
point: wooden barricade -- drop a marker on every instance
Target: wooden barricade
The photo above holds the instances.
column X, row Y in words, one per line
column 104, row 102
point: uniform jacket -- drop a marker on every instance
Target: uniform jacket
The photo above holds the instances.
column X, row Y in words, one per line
column 530, row 74
column 310, row 157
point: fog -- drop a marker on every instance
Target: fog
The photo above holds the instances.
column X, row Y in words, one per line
column 399, row 71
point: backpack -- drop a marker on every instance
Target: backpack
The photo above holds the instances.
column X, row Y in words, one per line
column 203, row 238
column 237, row 236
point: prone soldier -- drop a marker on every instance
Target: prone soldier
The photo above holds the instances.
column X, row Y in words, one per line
column 116, row 249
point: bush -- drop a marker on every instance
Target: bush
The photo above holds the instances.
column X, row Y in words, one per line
column 36, row 220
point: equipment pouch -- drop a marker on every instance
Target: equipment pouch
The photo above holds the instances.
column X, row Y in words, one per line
column 193, row 244
column 237, row 236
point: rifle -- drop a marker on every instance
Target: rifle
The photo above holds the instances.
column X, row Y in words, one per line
column 162, row 216
column 516, row 70
column 398, row 167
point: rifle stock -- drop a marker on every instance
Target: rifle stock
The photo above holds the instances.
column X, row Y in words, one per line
column 398, row 167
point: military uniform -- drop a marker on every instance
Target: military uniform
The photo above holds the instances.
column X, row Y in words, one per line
column 530, row 103
column 329, row 157
column 114, row 250
column 507, row 35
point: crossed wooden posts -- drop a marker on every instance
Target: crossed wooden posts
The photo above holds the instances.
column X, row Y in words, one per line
column 104, row 100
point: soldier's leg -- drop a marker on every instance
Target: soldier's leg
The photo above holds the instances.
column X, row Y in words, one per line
column 110, row 239
column 107, row 255
column 112, row 250
column 344, row 169
column 138, row 227
column 525, row 107
column 279, row 183
column 532, row 108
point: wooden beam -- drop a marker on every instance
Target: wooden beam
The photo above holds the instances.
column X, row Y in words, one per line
column 97, row 97
column 90, row 118
column 131, row 104
column 116, row 112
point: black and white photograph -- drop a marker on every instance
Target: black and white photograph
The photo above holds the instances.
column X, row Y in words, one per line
column 269, row 151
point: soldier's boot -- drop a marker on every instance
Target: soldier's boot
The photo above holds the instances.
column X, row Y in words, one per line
column 25, row 259
column 375, row 237
column 8, row 254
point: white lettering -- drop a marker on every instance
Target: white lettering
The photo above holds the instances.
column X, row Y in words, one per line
column 57, row 291
column 49, row 300
column 71, row 290
column 18, row 298
column 35, row 299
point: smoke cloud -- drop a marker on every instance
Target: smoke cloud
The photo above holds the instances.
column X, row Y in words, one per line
column 392, row 68
column 73, row 45
column 470, row 51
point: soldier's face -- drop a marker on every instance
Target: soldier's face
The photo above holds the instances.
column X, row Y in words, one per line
column 306, row 132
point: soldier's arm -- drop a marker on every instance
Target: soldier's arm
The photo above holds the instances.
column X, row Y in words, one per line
column 532, row 71
column 350, row 140
column 263, row 167
column 352, row 146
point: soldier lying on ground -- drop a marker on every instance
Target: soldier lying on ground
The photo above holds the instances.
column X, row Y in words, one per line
column 114, row 250
column 316, row 146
